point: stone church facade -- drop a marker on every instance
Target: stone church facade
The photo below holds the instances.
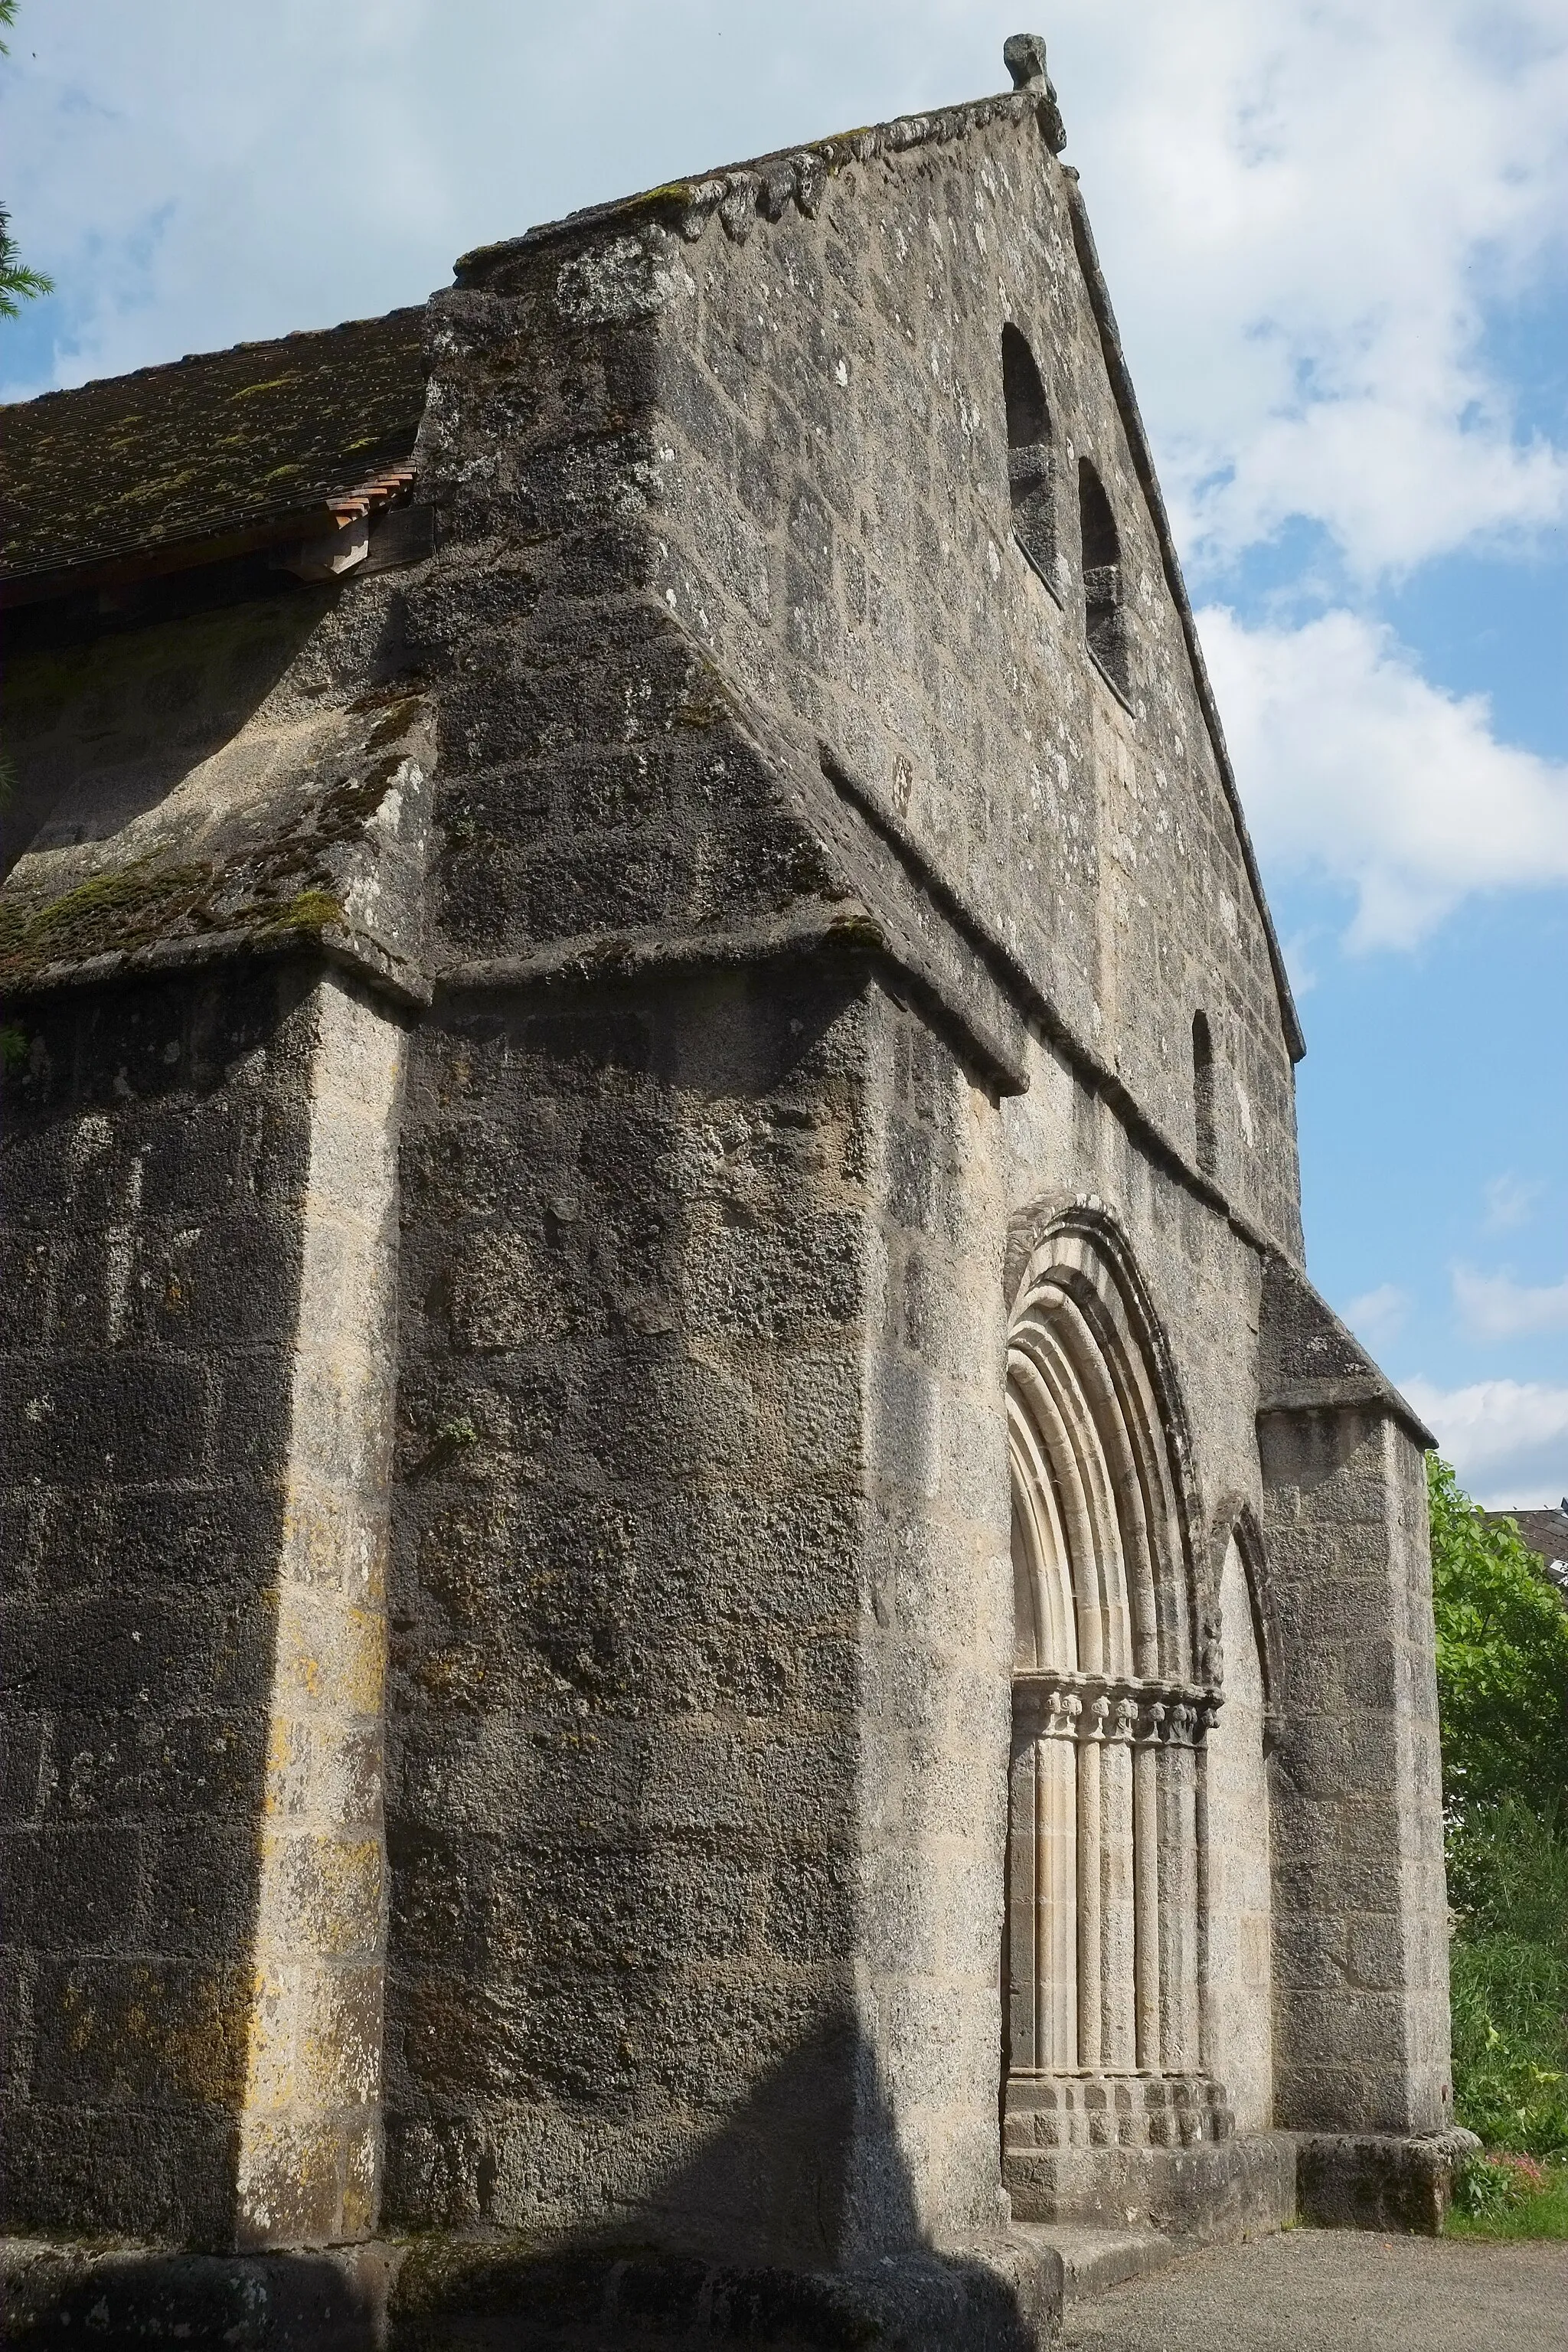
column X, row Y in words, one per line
column 699, row 1607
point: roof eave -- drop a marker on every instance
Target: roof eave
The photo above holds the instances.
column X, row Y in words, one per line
column 125, row 567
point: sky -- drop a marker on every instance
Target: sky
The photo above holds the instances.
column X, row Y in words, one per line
column 1336, row 234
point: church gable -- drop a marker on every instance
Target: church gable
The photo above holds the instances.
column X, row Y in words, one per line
column 901, row 499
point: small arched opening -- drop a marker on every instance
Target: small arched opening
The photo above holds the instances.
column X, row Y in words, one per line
column 1104, row 616
column 1203, row 1093
column 1030, row 483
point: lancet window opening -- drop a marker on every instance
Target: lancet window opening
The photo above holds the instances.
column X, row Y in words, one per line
column 1104, row 613
column 1203, row 1092
column 1030, row 472
column 1105, row 1888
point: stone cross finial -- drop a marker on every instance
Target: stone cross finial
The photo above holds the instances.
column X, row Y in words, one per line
column 1024, row 54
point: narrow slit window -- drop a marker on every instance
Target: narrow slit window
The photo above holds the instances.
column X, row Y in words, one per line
column 1104, row 616
column 1203, row 1091
column 1029, row 479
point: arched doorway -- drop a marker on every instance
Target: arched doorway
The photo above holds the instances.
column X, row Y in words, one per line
column 1107, row 1838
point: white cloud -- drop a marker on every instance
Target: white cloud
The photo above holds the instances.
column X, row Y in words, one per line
column 1495, row 1307
column 1305, row 211
column 1304, row 208
column 1507, row 1440
column 1510, row 1201
column 1354, row 768
column 1378, row 1316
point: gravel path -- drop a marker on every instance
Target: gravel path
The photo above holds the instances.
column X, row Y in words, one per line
column 1337, row 2291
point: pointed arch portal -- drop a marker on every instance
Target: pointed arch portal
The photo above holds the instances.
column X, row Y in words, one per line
column 1106, row 1896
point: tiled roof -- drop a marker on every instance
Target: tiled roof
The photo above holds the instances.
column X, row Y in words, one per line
column 1544, row 1532
column 227, row 447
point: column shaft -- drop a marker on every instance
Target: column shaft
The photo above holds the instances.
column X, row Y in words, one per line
column 1146, row 1900
column 1090, row 2042
column 1119, row 2039
column 1058, row 1946
column 1024, row 1897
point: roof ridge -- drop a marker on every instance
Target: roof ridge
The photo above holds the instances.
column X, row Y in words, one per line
column 767, row 184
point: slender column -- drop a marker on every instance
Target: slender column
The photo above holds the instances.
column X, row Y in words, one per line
column 1146, row 1884
column 1091, row 2037
column 1024, row 1892
column 1207, row 1717
column 1108, row 1879
column 1178, row 1894
column 1186, row 1759
column 1172, row 1896
column 1116, row 1931
column 1056, row 1943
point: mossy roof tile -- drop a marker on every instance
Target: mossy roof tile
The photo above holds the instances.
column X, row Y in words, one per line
column 209, row 444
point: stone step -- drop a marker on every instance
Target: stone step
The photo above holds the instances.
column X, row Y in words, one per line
column 1094, row 2259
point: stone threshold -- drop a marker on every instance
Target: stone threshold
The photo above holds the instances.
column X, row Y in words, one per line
column 1094, row 2259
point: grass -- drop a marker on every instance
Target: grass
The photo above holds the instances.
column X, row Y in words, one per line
column 1499, row 2200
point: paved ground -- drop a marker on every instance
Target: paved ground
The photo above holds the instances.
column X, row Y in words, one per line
column 1337, row 2291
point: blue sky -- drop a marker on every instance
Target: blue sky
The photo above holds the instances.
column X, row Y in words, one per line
column 1338, row 242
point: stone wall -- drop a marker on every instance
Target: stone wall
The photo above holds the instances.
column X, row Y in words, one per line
column 192, row 1783
column 766, row 462
column 1361, row 1941
column 700, row 1703
column 154, row 1150
column 830, row 490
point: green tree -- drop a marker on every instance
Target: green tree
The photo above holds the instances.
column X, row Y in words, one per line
column 18, row 284
column 1508, row 1976
column 1503, row 1661
column 1502, row 1689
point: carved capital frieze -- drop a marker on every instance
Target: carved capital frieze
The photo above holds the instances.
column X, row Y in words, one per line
column 1114, row 1708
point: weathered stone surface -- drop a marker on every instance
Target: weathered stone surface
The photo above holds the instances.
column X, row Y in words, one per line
column 60, row 2294
column 1348, row 2180
column 1361, row 1950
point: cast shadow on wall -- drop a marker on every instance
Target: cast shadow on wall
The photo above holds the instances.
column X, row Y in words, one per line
column 617, row 2285
column 107, row 714
column 817, row 2134
column 153, row 1147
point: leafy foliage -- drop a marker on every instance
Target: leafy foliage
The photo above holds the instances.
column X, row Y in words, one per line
column 1502, row 1684
column 17, row 282
column 1509, row 1978
column 1493, row 2184
column 1503, row 1661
